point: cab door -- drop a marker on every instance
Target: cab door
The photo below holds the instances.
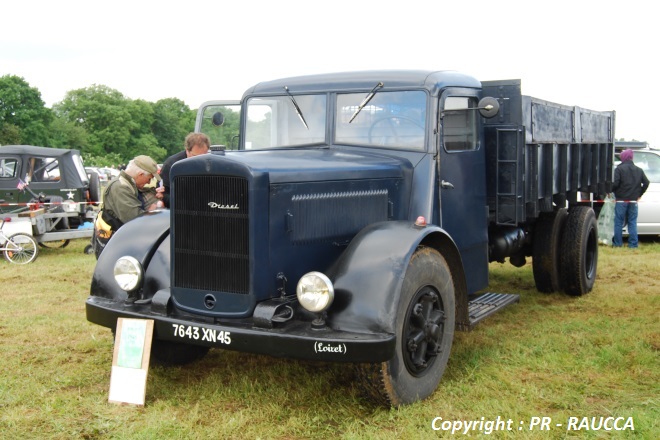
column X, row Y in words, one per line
column 9, row 183
column 462, row 183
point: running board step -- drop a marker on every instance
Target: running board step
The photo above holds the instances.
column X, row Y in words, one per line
column 487, row 304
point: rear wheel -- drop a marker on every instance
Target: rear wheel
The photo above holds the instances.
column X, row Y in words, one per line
column 579, row 256
column 546, row 250
column 425, row 331
column 21, row 248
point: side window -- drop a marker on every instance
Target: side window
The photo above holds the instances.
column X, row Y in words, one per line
column 459, row 125
column 221, row 124
column 45, row 169
column 8, row 168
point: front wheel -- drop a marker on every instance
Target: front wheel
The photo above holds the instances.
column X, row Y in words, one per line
column 21, row 248
column 425, row 330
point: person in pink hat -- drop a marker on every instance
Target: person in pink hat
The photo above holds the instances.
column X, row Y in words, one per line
column 630, row 183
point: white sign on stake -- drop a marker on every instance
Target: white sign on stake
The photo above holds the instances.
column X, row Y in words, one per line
column 130, row 362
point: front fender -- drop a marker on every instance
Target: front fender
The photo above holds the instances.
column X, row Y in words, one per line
column 145, row 239
column 368, row 276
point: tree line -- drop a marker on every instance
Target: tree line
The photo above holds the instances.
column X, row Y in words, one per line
column 108, row 128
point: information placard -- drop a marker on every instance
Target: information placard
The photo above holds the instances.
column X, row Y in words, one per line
column 130, row 362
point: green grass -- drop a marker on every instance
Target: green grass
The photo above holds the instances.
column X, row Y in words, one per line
column 548, row 356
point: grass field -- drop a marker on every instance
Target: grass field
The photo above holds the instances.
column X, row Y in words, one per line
column 549, row 356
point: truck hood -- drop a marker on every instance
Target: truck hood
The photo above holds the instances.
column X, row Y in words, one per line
column 300, row 165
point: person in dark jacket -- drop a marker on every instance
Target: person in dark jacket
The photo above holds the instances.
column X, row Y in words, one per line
column 194, row 145
column 630, row 183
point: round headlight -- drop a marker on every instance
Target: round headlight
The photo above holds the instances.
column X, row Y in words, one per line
column 315, row 292
column 128, row 273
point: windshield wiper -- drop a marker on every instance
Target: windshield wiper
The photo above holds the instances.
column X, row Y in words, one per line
column 365, row 101
column 295, row 106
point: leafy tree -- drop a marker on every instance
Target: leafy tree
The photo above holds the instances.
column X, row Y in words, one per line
column 115, row 124
column 173, row 120
column 24, row 118
column 9, row 134
column 108, row 160
column 100, row 111
column 65, row 134
column 143, row 140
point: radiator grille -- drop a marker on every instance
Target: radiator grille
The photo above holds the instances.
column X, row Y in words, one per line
column 211, row 233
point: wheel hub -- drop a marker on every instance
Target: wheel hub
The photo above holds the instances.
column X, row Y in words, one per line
column 424, row 329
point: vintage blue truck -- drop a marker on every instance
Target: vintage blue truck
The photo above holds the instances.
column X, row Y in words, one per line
column 352, row 218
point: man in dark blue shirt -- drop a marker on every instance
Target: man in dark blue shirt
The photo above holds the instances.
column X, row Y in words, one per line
column 630, row 183
column 194, row 145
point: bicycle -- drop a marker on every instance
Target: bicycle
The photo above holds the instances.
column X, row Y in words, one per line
column 18, row 248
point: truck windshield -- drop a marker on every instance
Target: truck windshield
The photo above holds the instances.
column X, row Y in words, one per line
column 390, row 120
column 285, row 121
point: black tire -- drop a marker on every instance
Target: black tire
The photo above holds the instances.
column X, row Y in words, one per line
column 57, row 244
column 94, row 187
column 21, row 248
column 579, row 256
column 425, row 332
column 169, row 353
column 89, row 249
column 547, row 250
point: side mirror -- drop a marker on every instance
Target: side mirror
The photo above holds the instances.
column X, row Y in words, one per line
column 488, row 107
column 218, row 119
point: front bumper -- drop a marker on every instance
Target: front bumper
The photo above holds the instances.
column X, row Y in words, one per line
column 293, row 339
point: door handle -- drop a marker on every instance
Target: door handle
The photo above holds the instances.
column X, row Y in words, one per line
column 446, row 185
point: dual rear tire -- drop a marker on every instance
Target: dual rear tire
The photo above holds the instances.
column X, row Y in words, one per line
column 565, row 251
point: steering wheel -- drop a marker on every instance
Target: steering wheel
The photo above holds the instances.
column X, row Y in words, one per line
column 395, row 127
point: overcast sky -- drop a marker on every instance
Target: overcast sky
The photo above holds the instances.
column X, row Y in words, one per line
column 594, row 54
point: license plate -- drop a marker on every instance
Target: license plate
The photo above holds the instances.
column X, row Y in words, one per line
column 195, row 333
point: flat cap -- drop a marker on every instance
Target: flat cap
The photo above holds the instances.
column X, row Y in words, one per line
column 147, row 164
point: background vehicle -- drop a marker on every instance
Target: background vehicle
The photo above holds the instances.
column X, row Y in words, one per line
column 103, row 176
column 49, row 188
column 111, row 173
column 356, row 222
column 648, row 220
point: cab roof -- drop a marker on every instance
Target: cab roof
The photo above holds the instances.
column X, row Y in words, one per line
column 434, row 81
column 35, row 151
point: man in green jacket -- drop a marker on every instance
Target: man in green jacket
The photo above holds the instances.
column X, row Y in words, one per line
column 123, row 199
